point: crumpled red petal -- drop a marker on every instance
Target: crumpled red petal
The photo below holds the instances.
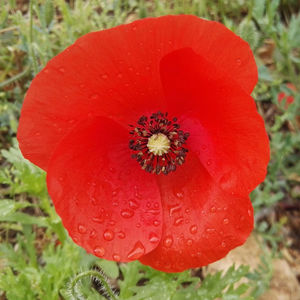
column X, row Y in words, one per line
column 108, row 204
column 226, row 131
column 115, row 73
column 201, row 221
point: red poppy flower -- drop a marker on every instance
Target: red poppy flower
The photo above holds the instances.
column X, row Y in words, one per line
column 150, row 140
column 288, row 98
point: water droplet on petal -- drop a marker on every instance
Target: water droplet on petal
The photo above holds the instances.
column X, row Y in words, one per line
column 189, row 242
column 168, row 241
column 225, row 221
column 112, row 222
column 81, row 229
column 94, row 97
column 242, row 218
column 156, row 205
column 210, row 230
column 121, row 235
column 94, row 201
column 178, row 221
column 209, row 162
column 148, row 204
column 137, row 251
column 249, row 213
column 223, row 244
column 108, row 235
column 99, row 251
column 174, row 209
column 98, row 220
column 238, row 62
column 133, row 204
column 116, row 257
column 93, row 234
column 213, row 209
column 156, row 223
column 138, row 225
column 61, row 70
column 153, row 238
column 127, row 213
column 193, row 229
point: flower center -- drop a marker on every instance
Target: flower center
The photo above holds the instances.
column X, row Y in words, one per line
column 157, row 143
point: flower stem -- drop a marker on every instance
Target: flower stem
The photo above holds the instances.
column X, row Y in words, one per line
column 94, row 274
column 32, row 54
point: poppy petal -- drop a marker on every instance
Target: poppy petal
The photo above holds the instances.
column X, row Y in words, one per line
column 225, row 128
column 115, row 73
column 108, row 204
column 202, row 223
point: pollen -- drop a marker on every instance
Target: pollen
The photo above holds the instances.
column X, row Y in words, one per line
column 158, row 144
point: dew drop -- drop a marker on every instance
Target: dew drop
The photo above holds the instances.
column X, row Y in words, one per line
column 138, row 225
column 137, row 251
column 115, row 203
column 75, row 239
column 81, row 229
column 168, row 241
column 209, row 162
column 187, row 210
column 156, row 223
column 134, row 28
column 112, row 222
column 61, row 70
column 174, row 209
column 249, row 213
column 121, row 235
column 133, row 204
column 179, row 194
column 242, row 218
column 99, row 251
column 127, row 213
column 223, row 244
column 115, row 192
column 213, row 209
column 153, row 238
column 148, row 204
column 189, row 242
column 37, row 134
column 93, row 234
column 178, row 221
column 108, row 235
column 238, row 62
column 225, row 221
column 193, row 229
column 94, row 201
column 156, row 205
column 116, row 257
column 98, row 220
column 94, row 97
column 210, row 230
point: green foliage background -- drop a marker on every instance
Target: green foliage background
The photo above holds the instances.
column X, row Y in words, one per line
column 37, row 259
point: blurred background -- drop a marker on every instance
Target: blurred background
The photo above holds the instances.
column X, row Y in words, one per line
column 38, row 260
